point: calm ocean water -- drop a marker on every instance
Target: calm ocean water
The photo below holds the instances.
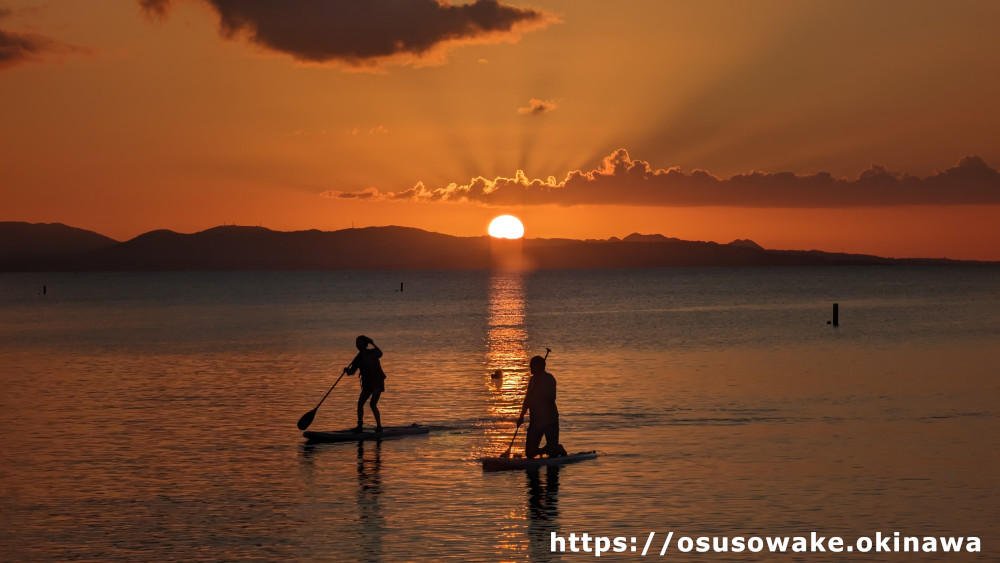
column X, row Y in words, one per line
column 152, row 416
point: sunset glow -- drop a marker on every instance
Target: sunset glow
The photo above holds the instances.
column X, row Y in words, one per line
column 720, row 272
column 759, row 120
column 506, row 226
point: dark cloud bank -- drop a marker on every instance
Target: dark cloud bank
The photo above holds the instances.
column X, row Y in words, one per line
column 622, row 180
column 364, row 33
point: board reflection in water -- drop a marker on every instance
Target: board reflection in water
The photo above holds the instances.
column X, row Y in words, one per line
column 543, row 510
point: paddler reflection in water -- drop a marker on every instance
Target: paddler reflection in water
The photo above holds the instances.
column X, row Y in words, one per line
column 540, row 403
column 372, row 379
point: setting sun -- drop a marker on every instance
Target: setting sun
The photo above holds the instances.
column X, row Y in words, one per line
column 506, row 226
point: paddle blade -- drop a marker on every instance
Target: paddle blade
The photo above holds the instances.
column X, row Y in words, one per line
column 307, row 419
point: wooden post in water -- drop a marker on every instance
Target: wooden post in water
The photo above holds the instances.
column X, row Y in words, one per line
column 836, row 314
column 401, row 287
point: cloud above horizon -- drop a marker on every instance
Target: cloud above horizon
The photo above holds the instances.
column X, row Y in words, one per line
column 536, row 107
column 369, row 33
column 622, row 180
column 19, row 48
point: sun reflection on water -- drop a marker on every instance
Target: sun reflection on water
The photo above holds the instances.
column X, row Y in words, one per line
column 526, row 529
column 506, row 357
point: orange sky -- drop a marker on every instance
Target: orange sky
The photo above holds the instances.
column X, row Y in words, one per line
column 123, row 117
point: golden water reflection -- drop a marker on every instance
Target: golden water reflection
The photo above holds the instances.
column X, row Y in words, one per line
column 506, row 357
column 525, row 528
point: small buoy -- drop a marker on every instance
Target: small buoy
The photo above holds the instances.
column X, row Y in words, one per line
column 497, row 374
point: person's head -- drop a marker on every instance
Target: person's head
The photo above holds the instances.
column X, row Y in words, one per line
column 537, row 365
column 362, row 342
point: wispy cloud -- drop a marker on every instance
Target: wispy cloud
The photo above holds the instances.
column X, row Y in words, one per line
column 367, row 193
column 155, row 8
column 19, row 48
column 367, row 33
column 377, row 130
column 536, row 106
column 622, row 180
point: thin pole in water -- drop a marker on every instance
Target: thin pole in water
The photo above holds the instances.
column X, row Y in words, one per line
column 836, row 314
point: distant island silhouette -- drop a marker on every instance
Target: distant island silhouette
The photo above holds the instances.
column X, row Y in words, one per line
column 57, row 247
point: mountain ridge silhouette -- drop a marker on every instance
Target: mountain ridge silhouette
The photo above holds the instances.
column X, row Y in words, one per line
column 57, row 247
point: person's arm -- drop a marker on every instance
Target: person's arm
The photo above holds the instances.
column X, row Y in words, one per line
column 355, row 364
column 378, row 353
column 524, row 405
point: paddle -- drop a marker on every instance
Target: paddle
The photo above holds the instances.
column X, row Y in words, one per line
column 307, row 418
column 506, row 454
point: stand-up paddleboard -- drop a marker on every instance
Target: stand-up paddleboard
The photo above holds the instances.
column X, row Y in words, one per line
column 351, row 436
column 504, row 463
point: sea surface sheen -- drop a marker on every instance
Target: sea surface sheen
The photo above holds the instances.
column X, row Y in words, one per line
column 152, row 416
